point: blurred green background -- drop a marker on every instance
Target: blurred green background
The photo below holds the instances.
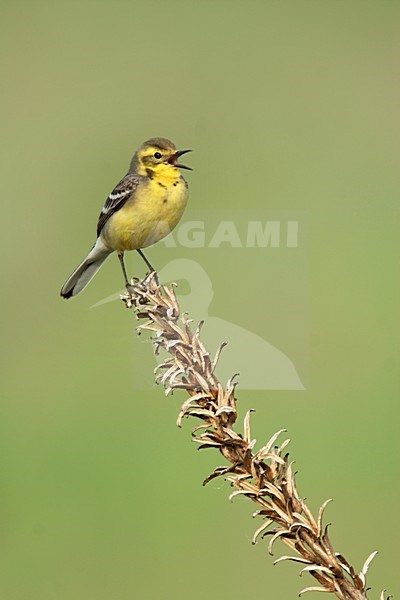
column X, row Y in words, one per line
column 289, row 106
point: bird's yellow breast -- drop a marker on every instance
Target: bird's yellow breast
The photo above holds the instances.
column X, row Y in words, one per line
column 149, row 215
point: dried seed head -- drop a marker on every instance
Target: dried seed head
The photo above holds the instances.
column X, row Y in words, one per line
column 266, row 477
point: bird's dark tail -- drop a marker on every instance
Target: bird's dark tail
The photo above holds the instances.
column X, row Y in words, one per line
column 86, row 270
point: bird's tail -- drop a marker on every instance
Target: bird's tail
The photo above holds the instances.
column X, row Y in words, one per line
column 86, row 270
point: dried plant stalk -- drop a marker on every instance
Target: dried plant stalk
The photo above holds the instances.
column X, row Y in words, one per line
column 265, row 476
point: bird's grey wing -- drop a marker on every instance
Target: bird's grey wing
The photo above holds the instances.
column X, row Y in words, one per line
column 120, row 194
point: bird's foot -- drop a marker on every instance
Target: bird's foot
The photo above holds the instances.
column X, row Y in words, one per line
column 130, row 286
column 155, row 276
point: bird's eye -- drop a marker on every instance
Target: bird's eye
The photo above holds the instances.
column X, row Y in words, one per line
column 157, row 155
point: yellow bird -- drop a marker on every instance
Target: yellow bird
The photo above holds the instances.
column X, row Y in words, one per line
column 142, row 209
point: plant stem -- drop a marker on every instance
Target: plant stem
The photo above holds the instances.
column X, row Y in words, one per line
column 266, row 476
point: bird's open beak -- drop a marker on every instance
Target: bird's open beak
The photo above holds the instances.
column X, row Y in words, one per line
column 172, row 160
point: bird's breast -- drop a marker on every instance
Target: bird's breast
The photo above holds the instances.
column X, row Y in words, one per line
column 148, row 216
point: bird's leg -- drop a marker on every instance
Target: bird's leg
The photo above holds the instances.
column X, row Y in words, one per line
column 150, row 266
column 145, row 260
column 121, row 260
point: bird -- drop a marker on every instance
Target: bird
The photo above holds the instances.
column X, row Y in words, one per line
column 142, row 209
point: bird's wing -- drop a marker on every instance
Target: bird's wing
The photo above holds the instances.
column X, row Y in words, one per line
column 120, row 194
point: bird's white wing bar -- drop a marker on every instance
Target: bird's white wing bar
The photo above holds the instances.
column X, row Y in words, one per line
column 120, row 194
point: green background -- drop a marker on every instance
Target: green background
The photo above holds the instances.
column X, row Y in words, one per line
column 289, row 106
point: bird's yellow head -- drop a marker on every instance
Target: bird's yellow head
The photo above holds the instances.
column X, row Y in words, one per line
column 158, row 157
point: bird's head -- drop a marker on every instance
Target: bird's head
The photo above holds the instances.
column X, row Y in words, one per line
column 158, row 156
